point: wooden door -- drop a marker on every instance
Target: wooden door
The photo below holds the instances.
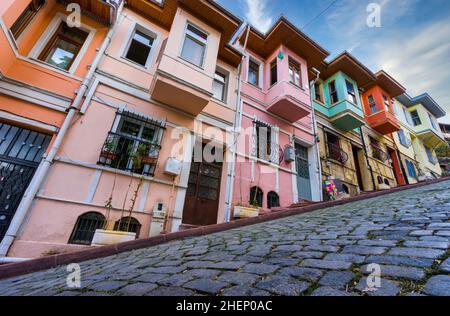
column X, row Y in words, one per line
column 202, row 199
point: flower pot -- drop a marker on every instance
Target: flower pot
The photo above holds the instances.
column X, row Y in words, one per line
column 245, row 212
column 110, row 237
column 108, row 155
column 148, row 160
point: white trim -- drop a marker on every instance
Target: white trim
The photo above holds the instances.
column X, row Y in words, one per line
column 144, row 196
column 93, row 186
column 180, row 54
column 34, row 96
column 50, row 31
column 177, row 215
column 126, row 45
column 23, row 120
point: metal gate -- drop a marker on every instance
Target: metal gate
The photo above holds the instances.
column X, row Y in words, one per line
column 21, row 150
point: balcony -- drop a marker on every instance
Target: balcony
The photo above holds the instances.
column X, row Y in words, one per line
column 379, row 154
column 346, row 116
column 384, row 122
column 336, row 153
column 288, row 101
column 431, row 138
column 181, row 85
column 129, row 154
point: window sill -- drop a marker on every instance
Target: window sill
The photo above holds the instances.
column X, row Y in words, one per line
column 192, row 64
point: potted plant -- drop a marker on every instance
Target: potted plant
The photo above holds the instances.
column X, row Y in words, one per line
column 143, row 156
column 246, row 211
column 108, row 150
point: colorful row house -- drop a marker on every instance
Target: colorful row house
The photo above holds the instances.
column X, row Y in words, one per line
column 122, row 120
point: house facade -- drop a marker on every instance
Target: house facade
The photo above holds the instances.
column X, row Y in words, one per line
column 340, row 116
column 146, row 117
column 384, row 161
column 42, row 65
column 422, row 114
column 164, row 87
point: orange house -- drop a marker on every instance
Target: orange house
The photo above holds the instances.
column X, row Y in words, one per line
column 382, row 119
column 43, row 60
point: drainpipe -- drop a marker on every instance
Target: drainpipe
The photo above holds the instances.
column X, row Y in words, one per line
column 316, row 143
column 236, row 133
column 366, row 154
column 45, row 165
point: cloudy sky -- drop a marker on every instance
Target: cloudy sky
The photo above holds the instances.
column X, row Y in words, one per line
column 412, row 44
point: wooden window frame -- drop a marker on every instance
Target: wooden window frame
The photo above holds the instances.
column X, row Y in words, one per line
column 333, row 92
column 351, row 94
column 273, row 76
column 34, row 8
column 256, row 66
column 372, row 105
column 53, row 40
column 295, row 68
column 223, row 83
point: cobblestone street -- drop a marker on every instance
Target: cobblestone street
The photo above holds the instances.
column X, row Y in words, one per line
column 321, row 253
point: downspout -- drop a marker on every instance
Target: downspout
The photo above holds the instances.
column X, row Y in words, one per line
column 366, row 154
column 316, row 140
column 236, row 133
column 45, row 165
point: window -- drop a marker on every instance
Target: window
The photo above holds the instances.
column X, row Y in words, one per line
column 318, row 92
column 133, row 145
column 386, row 181
column 408, row 117
column 351, row 95
column 140, row 48
column 372, row 104
column 386, row 102
column 416, row 118
column 294, row 73
column 273, row 72
column 377, row 152
column 128, row 224
column 334, row 148
column 63, row 47
column 26, row 17
column 433, row 122
column 411, row 169
column 333, row 92
column 403, row 138
column 256, row 197
column 430, row 155
column 85, row 228
column 273, row 200
column 263, row 141
column 220, row 86
column 253, row 73
column 380, row 180
column 194, row 46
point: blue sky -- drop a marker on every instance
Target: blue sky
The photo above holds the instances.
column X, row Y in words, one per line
column 412, row 44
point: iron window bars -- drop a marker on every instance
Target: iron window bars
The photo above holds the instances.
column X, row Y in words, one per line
column 126, row 150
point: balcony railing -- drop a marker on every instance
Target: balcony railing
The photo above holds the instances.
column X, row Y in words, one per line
column 379, row 154
column 336, row 153
column 129, row 154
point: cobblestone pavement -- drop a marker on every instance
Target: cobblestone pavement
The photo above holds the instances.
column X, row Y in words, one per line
column 326, row 252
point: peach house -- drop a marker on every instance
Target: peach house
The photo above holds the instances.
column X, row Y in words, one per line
column 276, row 154
column 164, row 87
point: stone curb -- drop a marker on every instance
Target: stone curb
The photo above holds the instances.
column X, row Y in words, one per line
column 45, row 263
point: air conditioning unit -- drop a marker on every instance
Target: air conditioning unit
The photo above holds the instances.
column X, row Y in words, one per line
column 173, row 167
column 289, row 154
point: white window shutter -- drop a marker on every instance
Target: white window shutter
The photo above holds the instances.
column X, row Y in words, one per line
column 254, row 149
column 275, row 150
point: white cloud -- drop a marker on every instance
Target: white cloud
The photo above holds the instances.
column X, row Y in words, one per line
column 417, row 55
column 258, row 15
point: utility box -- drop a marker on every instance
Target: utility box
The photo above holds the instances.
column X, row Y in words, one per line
column 158, row 219
column 173, row 167
column 289, row 154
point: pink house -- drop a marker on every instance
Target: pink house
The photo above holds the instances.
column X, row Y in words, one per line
column 164, row 87
column 276, row 155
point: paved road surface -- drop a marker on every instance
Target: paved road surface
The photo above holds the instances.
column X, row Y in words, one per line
column 322, row 253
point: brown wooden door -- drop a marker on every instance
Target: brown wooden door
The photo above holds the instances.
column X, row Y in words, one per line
column 358, row 167
column 202, row 198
